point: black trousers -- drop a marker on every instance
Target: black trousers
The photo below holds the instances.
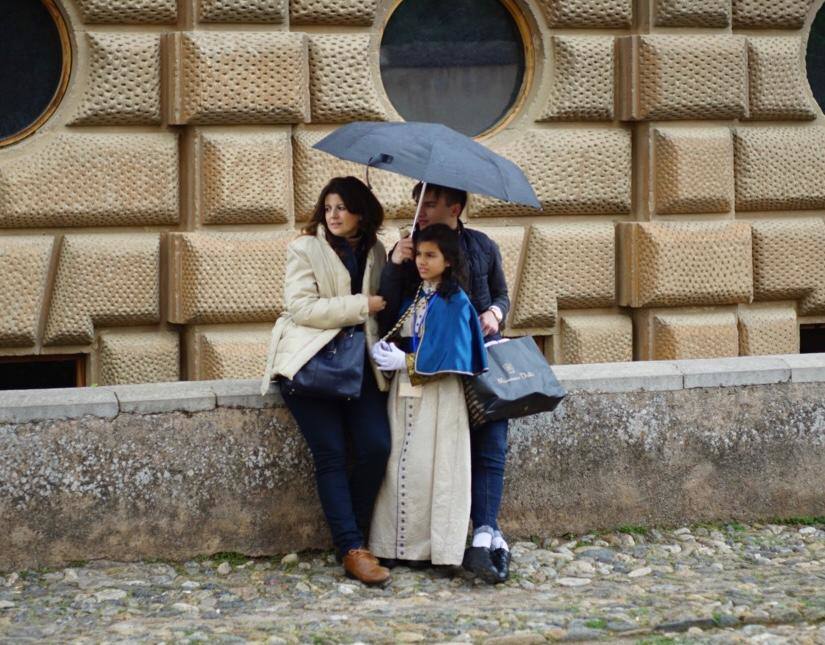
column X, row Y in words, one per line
column 328, row 426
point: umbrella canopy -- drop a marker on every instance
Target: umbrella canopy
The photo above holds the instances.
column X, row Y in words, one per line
column 432, row 153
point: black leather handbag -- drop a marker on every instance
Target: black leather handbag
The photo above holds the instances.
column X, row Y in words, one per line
column 518, row 383
column 335, row 372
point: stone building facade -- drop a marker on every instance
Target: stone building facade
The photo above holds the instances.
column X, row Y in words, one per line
column 675, row 146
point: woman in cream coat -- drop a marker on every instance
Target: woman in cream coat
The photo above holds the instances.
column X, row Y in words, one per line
column 333, row 271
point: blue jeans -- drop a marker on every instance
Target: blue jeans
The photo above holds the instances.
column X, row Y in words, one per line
column 488, row 445
column 327, row 426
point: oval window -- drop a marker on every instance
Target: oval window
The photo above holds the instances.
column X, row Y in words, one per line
column 460, row 63
column 34, row 66
column 815, row 58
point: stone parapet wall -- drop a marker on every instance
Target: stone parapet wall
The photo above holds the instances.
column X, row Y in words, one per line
column 179, row 469
column 675, row 147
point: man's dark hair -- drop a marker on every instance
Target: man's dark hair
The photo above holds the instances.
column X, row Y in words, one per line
column 359, row 200
column 455, row 275
column 451, row 195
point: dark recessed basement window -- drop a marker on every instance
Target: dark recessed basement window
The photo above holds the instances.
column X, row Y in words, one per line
column 811, row 339
column 41, row 372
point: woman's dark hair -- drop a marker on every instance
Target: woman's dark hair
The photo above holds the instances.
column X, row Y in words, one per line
column 455, row 275
column 359, row 200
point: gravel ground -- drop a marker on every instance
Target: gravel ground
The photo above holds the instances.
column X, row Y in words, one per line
column 704, row 584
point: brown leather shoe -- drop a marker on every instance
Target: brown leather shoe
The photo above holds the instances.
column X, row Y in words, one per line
column 363, row 565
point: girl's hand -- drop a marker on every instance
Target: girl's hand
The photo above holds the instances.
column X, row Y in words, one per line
column 376, row 304
column 388, row 357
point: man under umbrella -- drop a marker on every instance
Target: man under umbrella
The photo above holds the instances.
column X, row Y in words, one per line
column 489, row 555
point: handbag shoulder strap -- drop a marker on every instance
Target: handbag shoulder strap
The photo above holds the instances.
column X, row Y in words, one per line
column 405, row 316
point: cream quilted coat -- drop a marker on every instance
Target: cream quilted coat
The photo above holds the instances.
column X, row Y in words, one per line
column 318, row 303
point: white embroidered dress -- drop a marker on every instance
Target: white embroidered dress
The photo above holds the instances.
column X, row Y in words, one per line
column 423, row 508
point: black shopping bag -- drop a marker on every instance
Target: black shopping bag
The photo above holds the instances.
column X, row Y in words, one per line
column 518, row 383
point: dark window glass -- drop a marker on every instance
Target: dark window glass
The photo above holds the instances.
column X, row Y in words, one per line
column 31, row 61
column 816, row 58
column 41, row 372
column 811, row 339
column 456, row 62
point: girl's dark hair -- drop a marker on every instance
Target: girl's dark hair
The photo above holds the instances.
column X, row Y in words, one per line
column 455, row 275
column 359, row 200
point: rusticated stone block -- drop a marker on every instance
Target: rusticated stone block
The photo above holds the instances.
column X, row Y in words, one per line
column 240, row 77
column 779, row 168
column 789, row 262
column 229, row 354
column 778, row 86
column 674, row 264
column 389, row 235
column 693, row 170
column 770, row 14
column 138, row 357
column 124, row 80
column 510, row 241
column 588, row 13
column 93, row 180
column 332, row 12
column 255, row 11
column 581, row 172
column 583, row 79
column 692, row 13
column 128, row 12
column 313, row 169
column 341, row 83
column 24, row 265
column 569, row 266
column 227, row 277
column 685, row 77
column 244, row 177
column 768, row 330
column 595, row 338
column 104, row 280
column 673, row 334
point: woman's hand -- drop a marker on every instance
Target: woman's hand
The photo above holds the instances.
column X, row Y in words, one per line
column 388, row 357
column 376, row 304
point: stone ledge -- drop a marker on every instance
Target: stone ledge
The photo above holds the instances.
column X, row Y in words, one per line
column 652, row 376
column 245, row 394
column 24, row 406
column 805, row 368
column 729, row 372
column 176, row 485
column 158, row 398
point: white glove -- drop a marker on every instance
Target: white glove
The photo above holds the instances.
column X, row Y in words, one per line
column 388, row 357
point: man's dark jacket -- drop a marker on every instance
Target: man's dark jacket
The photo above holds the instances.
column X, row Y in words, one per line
column 487, row 286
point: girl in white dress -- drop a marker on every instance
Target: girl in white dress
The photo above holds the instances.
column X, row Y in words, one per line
column 423, row 507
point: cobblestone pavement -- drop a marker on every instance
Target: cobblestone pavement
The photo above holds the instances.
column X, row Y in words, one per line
column 754, row 584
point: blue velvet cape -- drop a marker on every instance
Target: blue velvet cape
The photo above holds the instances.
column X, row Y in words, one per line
column 452, row 340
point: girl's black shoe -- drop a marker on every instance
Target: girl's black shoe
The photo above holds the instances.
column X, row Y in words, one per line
column 477, row 560
column 501, row 561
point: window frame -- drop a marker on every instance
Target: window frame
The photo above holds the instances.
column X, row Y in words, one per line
column 65, row 73
column 528, row 48
column 79, row 360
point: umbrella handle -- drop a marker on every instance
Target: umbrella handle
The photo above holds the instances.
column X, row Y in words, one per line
column 420, row 202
